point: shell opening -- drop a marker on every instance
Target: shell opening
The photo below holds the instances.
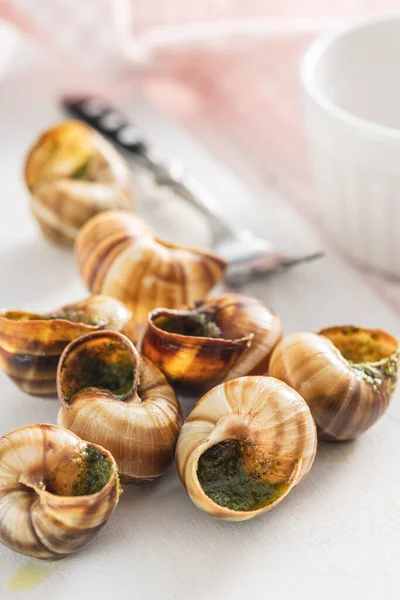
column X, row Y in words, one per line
column 66, row 314
column 101, row 363
column 18, row 315
column 194, row 324
column 75, row 315
column 95, row 473
column 235, row 475
column 359, row 345
column 63, row 151
column 81, row 171
column 84, row 473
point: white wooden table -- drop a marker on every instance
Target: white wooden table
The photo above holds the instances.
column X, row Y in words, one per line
column 336, row 535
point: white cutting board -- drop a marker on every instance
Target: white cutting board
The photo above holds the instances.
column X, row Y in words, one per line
column 336, row 535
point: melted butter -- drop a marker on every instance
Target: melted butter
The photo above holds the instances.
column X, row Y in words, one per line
column 28, row 576
column 224, row 476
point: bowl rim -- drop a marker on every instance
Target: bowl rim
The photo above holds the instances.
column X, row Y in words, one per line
column 316, row 52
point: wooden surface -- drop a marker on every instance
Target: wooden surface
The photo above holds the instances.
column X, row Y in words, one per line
column 336, row 535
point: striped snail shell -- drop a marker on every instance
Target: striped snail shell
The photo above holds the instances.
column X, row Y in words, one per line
column 74, row 173
column 56, row 491
column 244, row 446
column 219, row 338
column 118, row 256
column 31, row 343
column 346, row 374
column 112, row 396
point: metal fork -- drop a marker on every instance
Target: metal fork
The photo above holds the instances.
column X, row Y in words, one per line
column 248, row 256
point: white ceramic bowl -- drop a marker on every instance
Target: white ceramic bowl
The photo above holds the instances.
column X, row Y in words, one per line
column 351, row 83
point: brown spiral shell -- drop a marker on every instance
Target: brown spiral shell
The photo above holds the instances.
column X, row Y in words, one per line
column 74, row 173
column 112, row 396
column 346, row 374
column 31, row 343
column 117, row 256
column 50, row 506
column 277, row 440
column 220, row 338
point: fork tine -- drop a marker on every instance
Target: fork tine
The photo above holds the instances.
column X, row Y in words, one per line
column 238, row 274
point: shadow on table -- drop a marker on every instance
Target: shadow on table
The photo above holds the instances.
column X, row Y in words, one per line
column 334, row 455
column 332, row 459
column 32, row 270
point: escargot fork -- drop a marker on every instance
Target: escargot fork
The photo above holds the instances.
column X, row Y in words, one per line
column 248, row 256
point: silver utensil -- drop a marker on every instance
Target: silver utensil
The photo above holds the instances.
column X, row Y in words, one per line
column 248, row 256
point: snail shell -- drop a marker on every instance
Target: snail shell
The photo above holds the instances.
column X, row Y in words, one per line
column 244, row 446
column 346, row 375
column 118, row 256
column 73, row 173
column 112, row 396
column 56, row 491
column 221, row 338
column 31, row 343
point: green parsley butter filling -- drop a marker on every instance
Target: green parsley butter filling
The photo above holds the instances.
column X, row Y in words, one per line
column 223, row 474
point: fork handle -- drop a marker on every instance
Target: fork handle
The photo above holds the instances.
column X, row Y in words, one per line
column 174, row 176
column 114, row 125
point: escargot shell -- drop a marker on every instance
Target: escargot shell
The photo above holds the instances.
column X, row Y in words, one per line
column 244, row 446
column 73, row 173
column 31, row 343
column 112, row 396
column 220, row 338
column 347, row 376
column 56, row 491
column 117, row 256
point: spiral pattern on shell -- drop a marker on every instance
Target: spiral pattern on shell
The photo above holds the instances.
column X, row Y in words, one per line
column 347, row 376
column 112, row 396
column 117, row 256
column 278, row 439
column 74, row 173
column 47, row 507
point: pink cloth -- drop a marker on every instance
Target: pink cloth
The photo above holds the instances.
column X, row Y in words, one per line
column 231, row 91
